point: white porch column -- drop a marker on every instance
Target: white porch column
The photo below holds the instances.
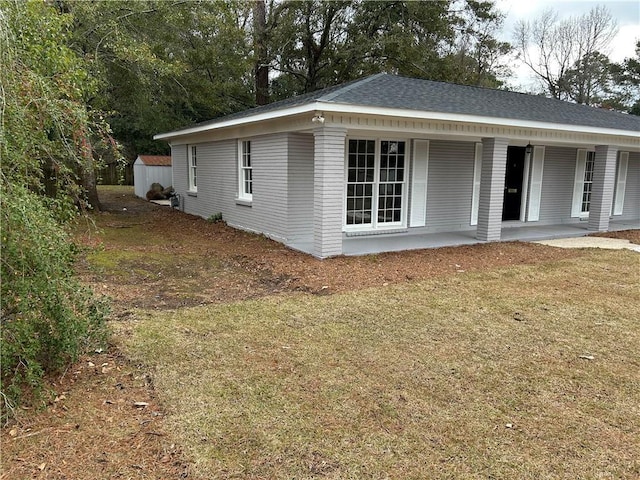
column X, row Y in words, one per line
column 604, row 172
column 494, row 166
column 328, row 190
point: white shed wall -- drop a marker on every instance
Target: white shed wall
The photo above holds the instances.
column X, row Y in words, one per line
column 144, row 176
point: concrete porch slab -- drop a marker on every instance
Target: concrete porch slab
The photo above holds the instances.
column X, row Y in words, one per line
column 395, row 242
column 364, row 245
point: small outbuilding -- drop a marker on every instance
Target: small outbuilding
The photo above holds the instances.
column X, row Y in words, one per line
column 149, row 169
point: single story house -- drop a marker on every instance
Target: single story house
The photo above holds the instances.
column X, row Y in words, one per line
column 149, row 169
column 390, row 163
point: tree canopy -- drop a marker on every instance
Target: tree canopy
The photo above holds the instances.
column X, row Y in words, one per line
column 162, row 65
column 50, row 140
column 567, row 56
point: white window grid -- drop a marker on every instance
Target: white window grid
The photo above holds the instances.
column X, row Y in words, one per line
column 376, row 177
column 246, row 170
column 587, row 186
column 193, row 168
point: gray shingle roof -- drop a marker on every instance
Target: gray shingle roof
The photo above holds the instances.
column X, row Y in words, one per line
column 416, row 94
column 392, row 91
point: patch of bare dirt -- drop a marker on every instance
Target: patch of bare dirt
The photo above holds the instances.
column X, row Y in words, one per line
column 102, row 422
column 632, row 235
column 214, row 263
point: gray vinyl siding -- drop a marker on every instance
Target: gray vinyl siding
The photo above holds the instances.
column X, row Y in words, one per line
column 215, row 172
column 268, row 213
column 557, row 185
column 328, row 190
column 450, row 185
column 300, row 184
column 218, row 184
column 602, row 188
column 219, row 187
column 179, row 168
column 631, row 209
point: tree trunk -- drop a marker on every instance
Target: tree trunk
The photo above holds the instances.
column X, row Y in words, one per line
column 88, row 178
column 260, row 45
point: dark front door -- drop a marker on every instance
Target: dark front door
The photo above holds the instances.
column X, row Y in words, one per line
column 513, row 183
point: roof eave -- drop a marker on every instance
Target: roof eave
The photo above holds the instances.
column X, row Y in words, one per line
column 465, row 118
column 333, row 107
column 260, row 117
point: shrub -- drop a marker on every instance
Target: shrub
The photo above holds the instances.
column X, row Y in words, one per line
column 215, row 218
column 47, row 317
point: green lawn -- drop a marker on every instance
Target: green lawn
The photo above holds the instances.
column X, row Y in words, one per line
column 473, row 376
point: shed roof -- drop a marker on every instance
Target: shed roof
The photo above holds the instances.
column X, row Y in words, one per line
column 402, row 93
column 155, row 160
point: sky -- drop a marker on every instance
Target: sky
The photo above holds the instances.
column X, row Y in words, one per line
column 626, row 13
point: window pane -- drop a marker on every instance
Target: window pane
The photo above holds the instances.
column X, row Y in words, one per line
column 391, row 181
column 371, row 146
column 370, row 175
column 360, row 173
column 588, row 182
column 368, row 190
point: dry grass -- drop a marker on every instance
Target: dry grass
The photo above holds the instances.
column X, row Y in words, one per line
column 478, row 375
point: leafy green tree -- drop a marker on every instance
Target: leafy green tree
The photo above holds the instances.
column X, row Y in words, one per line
column 595, row 80
column 589, row 81
column 627, row 83
column 477, row 57
column 307, row 46
column 163, row 65
column 54, row 86
column 322, row 43
column 48, row 140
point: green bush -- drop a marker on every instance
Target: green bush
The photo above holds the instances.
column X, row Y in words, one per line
column 215, row 218
column 47, row 317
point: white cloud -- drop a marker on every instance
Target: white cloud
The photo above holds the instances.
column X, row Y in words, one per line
column 624, row 45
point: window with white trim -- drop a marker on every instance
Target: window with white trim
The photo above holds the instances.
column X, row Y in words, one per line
column 193, row 168
column 583, row 183
column 245, row 170
column 375, row 187
column 587, row 184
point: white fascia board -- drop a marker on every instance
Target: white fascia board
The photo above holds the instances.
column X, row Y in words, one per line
column 392, row 112
column 285, row 112
column 458, row 117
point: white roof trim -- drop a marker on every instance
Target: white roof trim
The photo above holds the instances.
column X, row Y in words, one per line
column 459, row 117
column 392, row 112
column 285, row 112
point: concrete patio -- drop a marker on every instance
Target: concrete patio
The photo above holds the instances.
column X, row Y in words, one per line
column 363, row 245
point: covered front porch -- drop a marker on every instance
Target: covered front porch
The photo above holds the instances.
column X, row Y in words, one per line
column 363, row 245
